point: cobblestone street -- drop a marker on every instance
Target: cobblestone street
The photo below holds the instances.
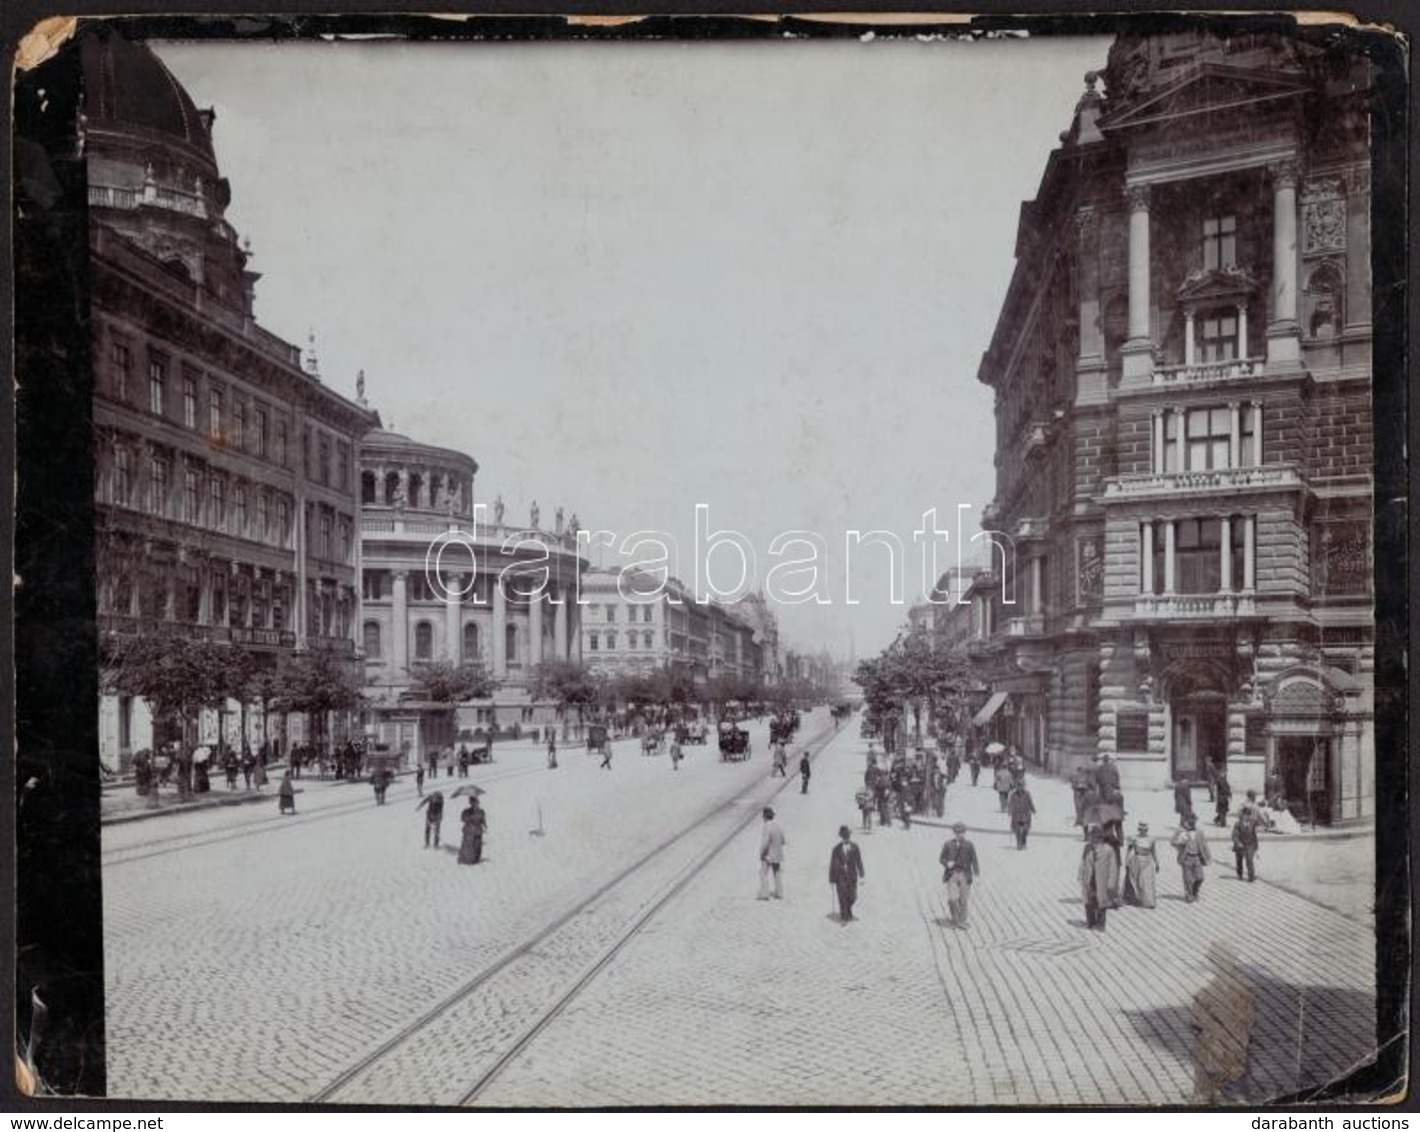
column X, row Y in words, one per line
column 260, row 962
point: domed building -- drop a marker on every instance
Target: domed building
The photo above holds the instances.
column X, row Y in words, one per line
column 446, row 579
column 227, row 502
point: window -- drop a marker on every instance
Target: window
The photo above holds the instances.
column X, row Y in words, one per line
column 324, row 450
column 217, row 493
column 189, row 402
column 158, row 486
column 423, row 641
column 157, row 383
column 191, row 500
column 259, row 423
column 218, row 613
column 610, row 641
column 239, row 425
column 648, row 639
column 214, row 414
column 372, row 638
column 1198, row 565
column 471, row 650
column 512, row 640
column 119, row 362
column 593, row 642
column 239, row 507
column 611, row 613
column 344, row 454
column 281, row 443
column 325, row 533
column 122, row 476
column 1218, row 335
column 345, row 540
column 283, row 521
column 372, row 585
column 1220, row 242
column 306, row 452
column 1209, row 436
column 1237, row 540
column 646, row 614
column 263, row 514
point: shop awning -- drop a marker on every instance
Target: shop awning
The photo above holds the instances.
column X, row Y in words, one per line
column 993, row 705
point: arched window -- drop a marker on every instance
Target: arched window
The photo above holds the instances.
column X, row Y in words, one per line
column 372, row 638
column 423, row 641
column 471, row 651
column 367, row 487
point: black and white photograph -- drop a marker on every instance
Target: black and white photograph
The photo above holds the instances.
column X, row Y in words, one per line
column 823, row 566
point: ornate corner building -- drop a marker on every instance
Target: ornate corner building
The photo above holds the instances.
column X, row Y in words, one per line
column 1182, row 372
column 227, row 502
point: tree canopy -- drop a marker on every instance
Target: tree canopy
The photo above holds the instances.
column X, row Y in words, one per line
column 443, row 682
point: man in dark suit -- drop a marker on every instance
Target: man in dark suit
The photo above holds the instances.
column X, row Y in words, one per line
column 845, row 867
column 959, row 867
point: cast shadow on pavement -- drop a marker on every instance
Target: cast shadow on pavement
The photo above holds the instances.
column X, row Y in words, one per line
column 1266, row 1041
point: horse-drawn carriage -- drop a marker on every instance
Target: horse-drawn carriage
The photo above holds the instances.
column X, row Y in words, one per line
column 734, row 742
column 782, row 727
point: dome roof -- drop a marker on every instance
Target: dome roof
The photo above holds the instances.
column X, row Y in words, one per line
column 127, row 89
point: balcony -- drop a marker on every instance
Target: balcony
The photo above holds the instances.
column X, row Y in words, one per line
column 1220, row 480
column 1031, row 625
column 1032, row 528
column 119, row 625
column 1202, row 373
column 1199, row 606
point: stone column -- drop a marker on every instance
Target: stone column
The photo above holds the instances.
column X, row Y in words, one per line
column 1138, row 352
column 1147, row 541
column 1283, row 333
column 1242, row 331
column 559, row 623
column 1234, row 435
column 453, row 617
column 399, row 630
column 1168, row 556
column 1257, row 449
column 535, row 628
column 1158, row 437
column 1249, row 554
column 1227, row 555
column 1035, row 575
column 500, row 629
column 1188, row 347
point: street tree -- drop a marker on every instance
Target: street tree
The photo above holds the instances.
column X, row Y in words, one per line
column 443, row 682
column 316, row 682
column 568, row 684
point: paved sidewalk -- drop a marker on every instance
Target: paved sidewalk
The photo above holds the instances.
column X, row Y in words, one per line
column 727, row 1000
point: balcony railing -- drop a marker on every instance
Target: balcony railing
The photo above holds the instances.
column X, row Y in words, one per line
column 395, row 523
column 1031, row 625
column 231, row 634
column 1208, row 371
column 1195, row 605
column 1216, row 479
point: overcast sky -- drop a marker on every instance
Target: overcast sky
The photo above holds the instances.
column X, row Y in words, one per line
column 629, row 278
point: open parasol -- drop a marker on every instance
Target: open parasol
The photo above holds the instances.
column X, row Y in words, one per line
column 469, row 791
column 994, row 748
column 202, row 754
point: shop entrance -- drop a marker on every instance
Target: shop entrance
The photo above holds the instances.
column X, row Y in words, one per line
column 1200, row 733
column 1304, row 770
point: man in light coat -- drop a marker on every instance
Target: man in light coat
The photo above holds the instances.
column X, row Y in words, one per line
column 1192, row 856
column 771, row 856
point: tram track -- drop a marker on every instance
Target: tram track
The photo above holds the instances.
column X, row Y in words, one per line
column 519, row 975
column 197, row 839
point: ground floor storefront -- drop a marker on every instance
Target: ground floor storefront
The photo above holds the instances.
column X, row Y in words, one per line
column 1278, row 708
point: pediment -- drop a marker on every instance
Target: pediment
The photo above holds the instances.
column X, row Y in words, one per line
column 1206, row 286
column 1209, row 88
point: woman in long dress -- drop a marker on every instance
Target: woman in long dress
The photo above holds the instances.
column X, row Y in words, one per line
column 1141, row 869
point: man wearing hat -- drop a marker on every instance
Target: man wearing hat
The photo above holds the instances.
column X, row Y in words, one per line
column 845, row 868
column 771, row 856
column 959, row 867
column 1192, row 856
column 1099, row 878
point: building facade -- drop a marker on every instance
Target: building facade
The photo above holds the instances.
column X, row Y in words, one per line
column 633, row 623
column 1182, row 375
column 225, row 470
column 441, row 582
